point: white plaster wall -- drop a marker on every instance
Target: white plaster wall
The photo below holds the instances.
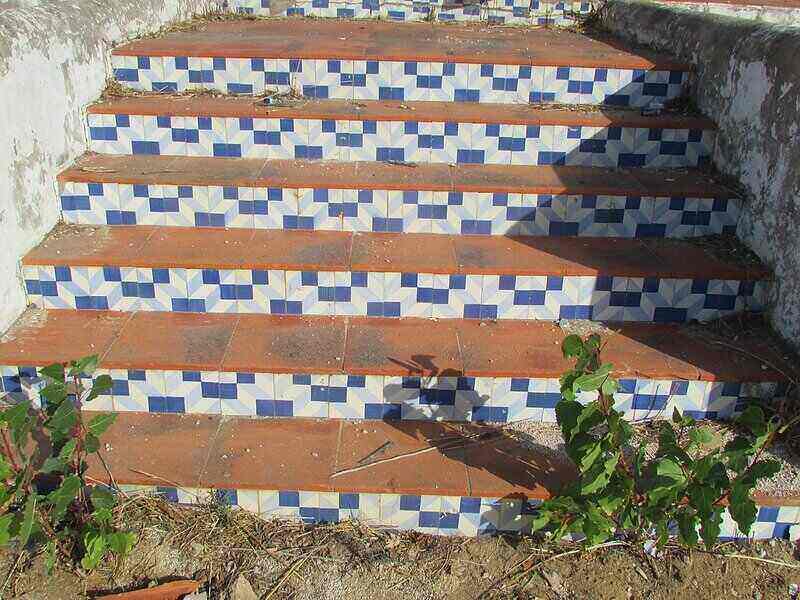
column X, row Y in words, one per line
column 765, row 14
column 747, row 78
column 54, row 61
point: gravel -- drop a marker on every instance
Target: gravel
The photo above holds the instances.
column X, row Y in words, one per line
column 546, row 437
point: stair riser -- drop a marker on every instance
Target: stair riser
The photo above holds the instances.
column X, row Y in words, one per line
column 431, row 514
column 461, row 399
column 411, row 141
column 511, row 12
column 394, row 80
column 413, row 211
column 376, row 294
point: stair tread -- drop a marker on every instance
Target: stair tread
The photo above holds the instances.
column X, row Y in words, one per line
column 216, row 248
column 198, row 451
column 378, row 346
column 373, row 40
column 389, row 110
column 539, row 179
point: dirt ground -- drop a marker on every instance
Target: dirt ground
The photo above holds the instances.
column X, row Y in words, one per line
column 285, row 560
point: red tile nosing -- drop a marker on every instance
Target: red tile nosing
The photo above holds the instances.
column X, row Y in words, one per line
column 385, row 110
column 213, row 248
column 218, row 452
column 254, row 172
column 452, row 43
column 347, row 345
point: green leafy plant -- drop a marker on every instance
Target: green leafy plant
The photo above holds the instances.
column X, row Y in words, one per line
column 44, row 496
column 688, row 482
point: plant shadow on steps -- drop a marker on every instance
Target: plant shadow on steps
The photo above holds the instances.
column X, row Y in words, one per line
column 491, row 462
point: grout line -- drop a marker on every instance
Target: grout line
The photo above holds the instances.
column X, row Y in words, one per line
column 339, row 434
column 229, row 344
column 212, row 444
column 116, row 337
column 347, row 324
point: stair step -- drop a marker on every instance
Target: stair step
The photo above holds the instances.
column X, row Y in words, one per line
column 369, row 196
column 436, row 478
column 496, row 12
column 361, row 368
column 392, row 275
column 430, row 477
column 435, row 132
column 385, row 61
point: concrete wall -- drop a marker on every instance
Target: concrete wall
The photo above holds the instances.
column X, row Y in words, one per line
column 765, row 14
column 54, row 60
column 748, row 80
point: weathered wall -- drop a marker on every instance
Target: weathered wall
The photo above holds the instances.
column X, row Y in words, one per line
column 748, row 80
column 54, row 60
column 766, row 14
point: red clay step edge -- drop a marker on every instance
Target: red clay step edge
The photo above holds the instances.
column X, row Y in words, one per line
column 384, row 110
column 196, row 451
column 254, row 172
column 212, row 248
column 373, row 346
column 460, row 43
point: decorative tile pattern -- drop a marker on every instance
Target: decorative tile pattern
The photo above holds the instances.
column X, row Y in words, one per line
column 413, row 211
column 409, row 80
column 550, row 298
column 516, row 12
column 342, row 396
column 411, row 141
column 432, row 514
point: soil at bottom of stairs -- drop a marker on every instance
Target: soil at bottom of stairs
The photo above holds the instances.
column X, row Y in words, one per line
column 350, row 561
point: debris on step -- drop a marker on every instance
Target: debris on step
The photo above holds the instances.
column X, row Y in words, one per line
column 174, row 590
column 242, row 590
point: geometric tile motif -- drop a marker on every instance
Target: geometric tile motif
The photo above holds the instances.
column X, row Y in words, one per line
column 410, row 141
column 463, row 516
column 407, row 81
column 479, row 213
column 468, row 296
column 378, row 397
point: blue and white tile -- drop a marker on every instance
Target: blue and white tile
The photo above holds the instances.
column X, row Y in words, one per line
column 312, row 291
column 410, row 291
column 297, row 389
column 274, row 208
column 255, row 395
column 356, row 291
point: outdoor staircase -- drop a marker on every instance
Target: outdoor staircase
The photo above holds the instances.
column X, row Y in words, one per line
column 325, row 304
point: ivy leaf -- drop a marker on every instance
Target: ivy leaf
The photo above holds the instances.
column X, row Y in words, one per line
column 95, row 544
column 101, row 423
column 567, row 413
column 28, row 516
column 710, row 527
column 54, row 393
column 85, row 366
column 592, row 381
column 687, row 528
column 102, row 498
column 64, row 419
column 702, row 498
column 591, row 453
column 54, row 372
column 670, row 469
column 744, row 512
column 702, row 436
column 63, row 496
column 50, row 557
column 609, row 387
column 5, row 528
column 572, row 346
column 121, row 542
column 753, row 418
column 19, row 422
column 91, row 443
